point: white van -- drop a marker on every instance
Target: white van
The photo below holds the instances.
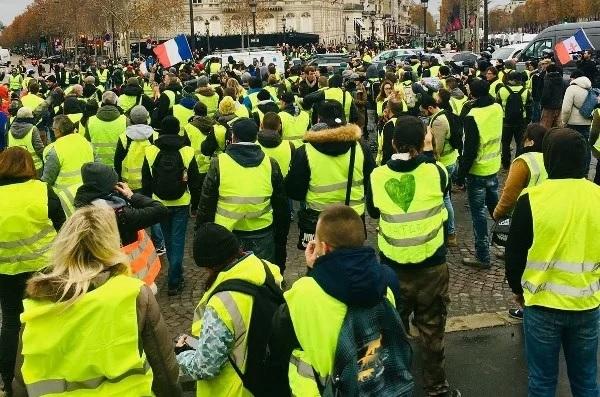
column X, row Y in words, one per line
column 269, row 56
column 4, row 57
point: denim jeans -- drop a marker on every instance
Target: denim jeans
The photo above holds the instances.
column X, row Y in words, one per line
column 262, row 244
column 174, row 229
column 450, row 229
column 577, row 332
column 483, row 197
column 584, row 130
column 536, row 112
column 12, row 289
column 157, row 237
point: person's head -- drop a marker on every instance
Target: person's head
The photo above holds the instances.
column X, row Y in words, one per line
column 98, row 180
column 335, row 81
column 169, row 126
column 88, row 244
column 263, row 95
column 533, row 136
column 543, row 64
column 287, row 99
column 331, row 113
column 407, row 76
column 310, row 73
column 139, row 115
column 255, row 82
column 109, row 98
column 587, row 55
column 491, row 73
column 479, row 88
column 62, row 125
column 16, row 163
column 230, row 91
column 425, row 63
column 271, row 121
column 395, row 106
column 552, row 68
column 323, row 82
column 443, row 98
column 244, row 130
column 575, row 74
column 203, row 81
column 77, row 90
column 385, row 90
column 451, row 83
column 33, row 87
column 272, row 80
column 565, row 153
column 444, row 71
column 89, row 80
column 429, row 105
column 227, row 106
column 133, row 81
column 338, row 227
column 409, row 135
column 214, row 249
column 200, row 109
column 72, row 105
column 514, row 78
column 233, row 83
column 25, row 113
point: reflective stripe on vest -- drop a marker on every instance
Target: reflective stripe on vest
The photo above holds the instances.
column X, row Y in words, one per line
column 26, row 232
column 563, row 267
column 103, row 322
column 102, row 76
column 187, row 155
column 14, row 82
column 328, row 188
column 73, row 151
column 244, row 195
column 537, row 170
column 489, row 123
column 294, row 127
column 410, row 228
column 26, row 142
column 143, row 260
column 67, row 199
column 196, row 138
column 338, row 94
column 104, row 136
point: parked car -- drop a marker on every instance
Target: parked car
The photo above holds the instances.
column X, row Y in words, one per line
column 4, row 57
column 508, row 52
column 334, row 60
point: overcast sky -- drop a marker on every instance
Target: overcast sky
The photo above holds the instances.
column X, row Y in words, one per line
column 12, row 8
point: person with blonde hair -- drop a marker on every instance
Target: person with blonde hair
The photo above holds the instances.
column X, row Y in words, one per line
column 30, row 215
column 104, row 325
column 240, row 92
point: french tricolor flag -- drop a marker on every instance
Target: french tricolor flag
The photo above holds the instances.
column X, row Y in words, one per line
column 576, row 43
column 173, row 51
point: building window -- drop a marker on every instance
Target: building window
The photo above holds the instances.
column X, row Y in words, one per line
column 196, row 1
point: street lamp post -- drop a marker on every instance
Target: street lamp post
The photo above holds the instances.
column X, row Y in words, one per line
column 372, row 25
column 346, row 19
column 253, row 10
column 192, row 34
column 424, row 3
column 207, row 24
column 283, row 24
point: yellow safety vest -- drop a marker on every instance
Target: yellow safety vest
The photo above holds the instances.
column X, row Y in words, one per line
column 196, row 138
column 102, row 76
column 244, row 195
column 127, row 102
column 338, row 95
column 100, row 326
column 489, row 123
column 221, row 137
column 317, row 318
column 282, row 154
column 148, row 90
column 537, row 170
column 449, row 154
column 171, row 95
column 597, row 143
column 379, row 156
column 182, row 114
column 31, row 101
column 131, row 167
column 67, row 199
column 294, row 127
column 14, row 82
column 495, row 86
column 241, row 111
column 104, row 136
column 457, row 104
column 273, row 91
column 503, row 94
column 215, row 67
column 411, row 224
column 187, row 155
column 211, row 102
column 562, row 264
column 73, row 151
column 26, row 232
column 26, row 142
column 234, row 309
column 329, row 179
column 76, row 119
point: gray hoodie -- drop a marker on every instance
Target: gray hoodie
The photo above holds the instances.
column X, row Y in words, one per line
column 139, row 132
column 20, row 127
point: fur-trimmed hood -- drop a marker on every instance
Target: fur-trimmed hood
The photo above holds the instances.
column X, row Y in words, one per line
column 333, row 141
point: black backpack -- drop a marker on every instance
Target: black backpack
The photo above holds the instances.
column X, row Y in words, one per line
column 169, row 175
column 267, row 299
column 456, row 128
column 513, row 111
column 373, row 356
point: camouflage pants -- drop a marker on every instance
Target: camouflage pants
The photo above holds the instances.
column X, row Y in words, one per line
column 424, row 292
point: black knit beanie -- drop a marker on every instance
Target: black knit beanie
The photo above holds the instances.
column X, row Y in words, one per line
column 214, row 245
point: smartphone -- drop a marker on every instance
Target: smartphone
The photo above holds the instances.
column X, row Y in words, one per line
column 191, row 341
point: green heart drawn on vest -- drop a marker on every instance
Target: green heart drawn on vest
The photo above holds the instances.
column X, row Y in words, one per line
column 402, row 192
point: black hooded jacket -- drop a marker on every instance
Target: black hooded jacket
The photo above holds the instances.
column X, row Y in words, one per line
column 136, row 91
column 554, row 91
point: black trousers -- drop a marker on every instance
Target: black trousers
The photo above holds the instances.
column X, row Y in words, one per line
column 509, row 132
column 12, row 289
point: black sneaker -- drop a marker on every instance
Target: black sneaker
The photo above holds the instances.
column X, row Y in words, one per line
column 476, row 263
column 516, row 313
column 161, row 251
column 177, row 290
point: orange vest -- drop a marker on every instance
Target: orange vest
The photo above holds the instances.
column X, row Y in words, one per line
column 144, row 263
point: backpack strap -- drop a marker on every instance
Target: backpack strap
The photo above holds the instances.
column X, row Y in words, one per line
column 350, row 173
